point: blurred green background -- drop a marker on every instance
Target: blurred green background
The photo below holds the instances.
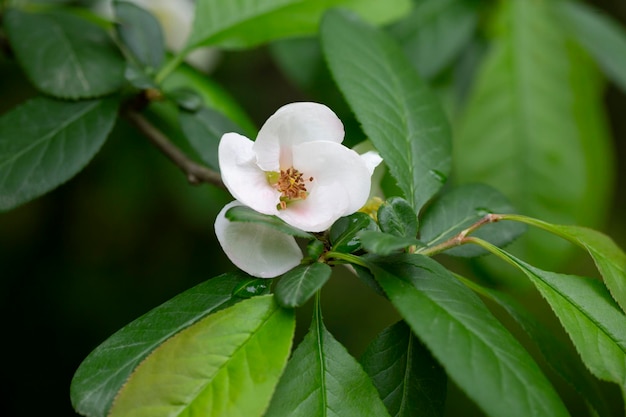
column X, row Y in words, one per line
column 129, row 232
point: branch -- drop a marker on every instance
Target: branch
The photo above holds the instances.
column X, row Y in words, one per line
column 460, row 238
column 196, row 173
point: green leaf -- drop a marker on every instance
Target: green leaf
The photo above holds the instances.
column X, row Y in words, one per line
column 406, row 375
column 252, row 287
column 534, row 134
column 398, row 113
column 253, row 22
column 478, row 353
column 602, row 37
column 204, row 129
column 187, row 99
column 322, row 379
column 343, row 233
column 225, row 365
column 246, row 214
column 63, row 55
column 141, row 33
column 459, row 208
column 301, row 283
column 45, row 142
column 557, row 353
column 214, row 96
column 586, row 310
column 383, row 243
column 106, row 369
column 609, row 258
column 396, row 217
column 435, row 33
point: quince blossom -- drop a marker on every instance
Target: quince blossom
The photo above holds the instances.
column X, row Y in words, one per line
column 297, row 169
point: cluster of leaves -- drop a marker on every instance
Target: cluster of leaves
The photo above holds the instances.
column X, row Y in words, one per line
column 224, row 347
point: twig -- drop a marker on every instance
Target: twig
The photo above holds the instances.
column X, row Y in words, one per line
column 196, row 173
column 460, row 238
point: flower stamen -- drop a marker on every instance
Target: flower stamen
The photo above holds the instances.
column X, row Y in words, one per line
column 291, row 185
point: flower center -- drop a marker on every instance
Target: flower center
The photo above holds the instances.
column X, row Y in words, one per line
column 291, row 184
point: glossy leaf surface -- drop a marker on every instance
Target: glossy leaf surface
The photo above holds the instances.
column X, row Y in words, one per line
column 409, row 380
column 398, row 113
column 322, row 379
column 543, row 133
column 63, row 55
column 467, row 339
column 225, row 365
column 343, row 233
column 435, row 31
column 459, row 208
column 246, row 23
column 559, row 354
column 106, row 369
column 383, row 243
column 141, row 33
column 37, row 157
column 396, row 217
column 297, row 286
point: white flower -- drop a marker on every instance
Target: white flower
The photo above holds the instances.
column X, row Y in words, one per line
column 297, row 169
column 176, row 19
column 255, row 248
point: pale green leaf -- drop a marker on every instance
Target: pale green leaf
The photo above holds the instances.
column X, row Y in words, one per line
column 534, row 126
column 477, row 352
column 102, row 374
column 397, row 111
column 225, row 365
column 609, row 258
column 603, row 37
column 322, row 379
column 63, row 55
column 406, row 375
column 45, row 142
column 586, row 310
column 245, row 23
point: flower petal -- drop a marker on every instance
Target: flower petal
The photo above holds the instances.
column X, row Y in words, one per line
column 241, row 175
column 372, row 159
column 255, row 248
column 341, row 185
column 291, row 125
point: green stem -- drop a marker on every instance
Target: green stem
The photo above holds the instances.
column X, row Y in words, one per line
column 170, row 66
column 346, row 257
column 493, row 249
